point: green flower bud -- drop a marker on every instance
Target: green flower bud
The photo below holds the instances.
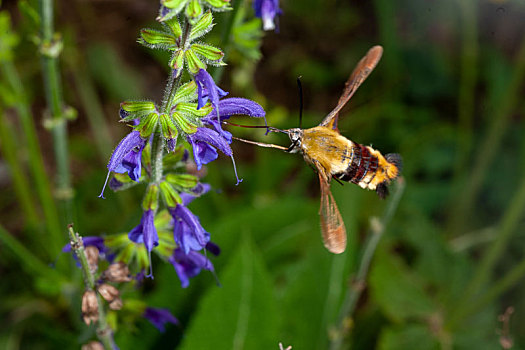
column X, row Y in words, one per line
column 175, row 5
column 183, row 123
column 210, row 52
column 174, row 25
column 157, row 38
column 177, row 60
column 194, row 63
column 147, row 125
column 182, row 180
column 151, row 198
column 186, row 92
column 193, row 11
column 191, row 108
column 170, row 195
column 219, row 4
column 169, row 130
column 203, row 26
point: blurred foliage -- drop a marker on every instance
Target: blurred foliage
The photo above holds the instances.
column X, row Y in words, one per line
column 447, row 95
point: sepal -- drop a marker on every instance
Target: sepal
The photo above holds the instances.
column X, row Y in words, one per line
column 170, row 195
column 219, row 4
column 174, row 5
column 183, row 123
column 207, row 51
column 157, row 39
column 177, row 60
column 174, row 25
column 203, row 26
column 194, row 63
column 147, row 125
column 151, row 198
column 193, row 11
column 185, row 93
column 137, row 109
column 185, row 181
column 169, row 130
column 191, row 108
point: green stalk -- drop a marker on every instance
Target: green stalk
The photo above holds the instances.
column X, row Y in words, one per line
column 488, row 150
column 377, row 230
column 483, row 273
column 104, row 331
column 58, row 125
column 467, row 85
column 36, row 163
column 21, row 183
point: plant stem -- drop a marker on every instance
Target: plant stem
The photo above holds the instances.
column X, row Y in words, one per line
column 36, row 163
column 358, row 285
column 58, row 125
column 104, row 332
column 467, row 85
column 488, row 150
column 10, row 149
column 507, row 227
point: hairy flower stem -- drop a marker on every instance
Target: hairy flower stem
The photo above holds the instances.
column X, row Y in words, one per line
column 358, row 284
column 104, row 332
column 53, row 89
column 157, row 145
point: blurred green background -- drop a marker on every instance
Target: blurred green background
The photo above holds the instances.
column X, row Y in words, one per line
column 447, row 95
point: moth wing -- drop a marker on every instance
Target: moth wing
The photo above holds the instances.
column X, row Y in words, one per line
column 358, row 76
column 332, row 225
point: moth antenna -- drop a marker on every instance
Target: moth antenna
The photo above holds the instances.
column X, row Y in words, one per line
column 300, row 87
column 271, row 128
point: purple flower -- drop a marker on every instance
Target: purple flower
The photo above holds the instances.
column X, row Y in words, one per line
column 146, row 233
column 187, row 229
column 189, row 265
column 207, row 89
column 159, row 317
column 126, row 157
column 267, row 10
column 233, row 106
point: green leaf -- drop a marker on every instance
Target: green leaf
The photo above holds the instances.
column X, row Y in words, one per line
column 398, row 293
column 242, row 314
column 203, row 26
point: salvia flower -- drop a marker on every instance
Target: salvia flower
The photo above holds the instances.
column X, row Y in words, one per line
column 233, row 106
column 208, row 90
column 146, row 233
column 126, row 157
column 159, row 317
column 187, row 229
column 267, row 10
column 189, row 265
